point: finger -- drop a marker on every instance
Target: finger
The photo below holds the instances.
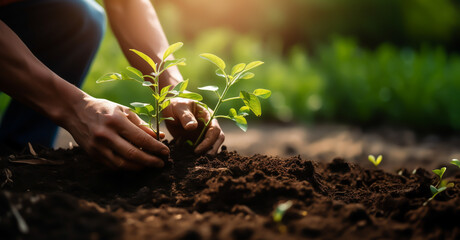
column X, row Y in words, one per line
column 210, row 138
column 114, row 162
column 134, row 118
column 217, row 144
column 184, row 112
column 133, row 154
column 139, row 137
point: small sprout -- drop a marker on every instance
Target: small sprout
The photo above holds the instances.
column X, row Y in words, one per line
column 374, row 161
column 441, row 186
column 456, row 162
column 281, row 210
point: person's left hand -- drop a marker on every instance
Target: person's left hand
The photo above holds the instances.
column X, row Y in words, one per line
column 188, row 125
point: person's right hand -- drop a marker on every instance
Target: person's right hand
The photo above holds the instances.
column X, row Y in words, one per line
column 114, row 135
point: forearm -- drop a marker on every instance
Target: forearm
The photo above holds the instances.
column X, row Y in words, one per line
column 29, row 81
column 136, row 25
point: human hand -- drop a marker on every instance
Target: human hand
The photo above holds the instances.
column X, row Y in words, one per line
column 114, row 135
column 187, row 127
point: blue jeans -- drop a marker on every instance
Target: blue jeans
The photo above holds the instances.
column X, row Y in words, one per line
column 64, row 35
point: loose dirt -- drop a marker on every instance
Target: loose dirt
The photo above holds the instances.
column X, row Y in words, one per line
column 228, row 196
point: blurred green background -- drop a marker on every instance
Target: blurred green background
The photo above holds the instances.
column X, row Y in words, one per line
column 362, row 62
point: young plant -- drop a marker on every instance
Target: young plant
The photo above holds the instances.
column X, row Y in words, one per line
column 280, row 210
column 441, row 186
column 161, row 97
column 374, row 161
column 251, row 100
column 455, row 162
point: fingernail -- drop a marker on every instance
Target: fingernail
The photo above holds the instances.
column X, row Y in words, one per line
column 190, row 123
column 165, row 152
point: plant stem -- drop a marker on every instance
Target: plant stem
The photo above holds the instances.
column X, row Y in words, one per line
column 216, row 108
column 157, row 107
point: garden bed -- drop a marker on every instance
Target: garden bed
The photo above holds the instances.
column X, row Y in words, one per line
column 228, row 196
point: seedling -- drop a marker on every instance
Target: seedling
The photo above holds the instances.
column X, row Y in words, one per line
column 251, row 100
column 374, row 161
column 161, row 97
column 455, row 162
column 280, row 210
column 441, row 186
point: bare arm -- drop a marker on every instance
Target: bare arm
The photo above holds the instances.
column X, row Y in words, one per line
column 99, row 126
column 136, row 25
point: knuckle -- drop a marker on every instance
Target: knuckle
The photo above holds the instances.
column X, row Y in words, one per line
column 111, row 119
column 131, row 153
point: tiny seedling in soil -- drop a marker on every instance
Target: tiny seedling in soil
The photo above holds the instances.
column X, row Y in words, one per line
column 374, row 161
column 161, row 97
column 455, row 162
column 280, row 210
column 251, row 100
column 441, row 186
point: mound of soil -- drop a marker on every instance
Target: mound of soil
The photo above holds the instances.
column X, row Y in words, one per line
column 63, row 194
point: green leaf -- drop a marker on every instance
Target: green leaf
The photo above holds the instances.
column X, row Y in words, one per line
column 372, row 159
column 146, row 58
column 139, row 104
column 450, row 185
column 147, row 84
column 191, row 95
column 209, row 88
column 220, row 73
column 244, row 111
column 170, row 63
column 439, row 172
column 214, row 59
column 252, row 102
column 239, row 120
column 181, row 86
column 232, row 113
column 165, row 104
column 247, row 75
column 238, row 68
column 433, row 189
column 252, row 65
column 134, row 74
column 241, row 123
column 171, row 49
column 164, row 92
column 109, row 77
column 262, row 93
column 168, row 118
column 456, row 162
column 156, row 96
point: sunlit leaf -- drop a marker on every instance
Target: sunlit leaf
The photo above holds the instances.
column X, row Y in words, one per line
column 170, row 63
column 146, row 58
column 214, row 59
column 247, row 75
column 109, row 77
column 456, row 162
column 165, row 104
column 252, row 102
column 262, row 93
column 209, row 88
column 147, row 84
column 220, row 73
column 171, row 49
column 241, row 122
column 439, row 172
column 244, row 111
column 168, row 118
column 232, row 113
column 134, row 74
column 164, row 92
column 238, row 68
column 191, row 95
column 252, row 65
column 139, row 104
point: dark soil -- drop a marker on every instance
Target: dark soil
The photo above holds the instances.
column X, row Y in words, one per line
column 223, row 197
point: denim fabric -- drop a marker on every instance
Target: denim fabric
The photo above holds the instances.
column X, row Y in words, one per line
column 64, row 35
